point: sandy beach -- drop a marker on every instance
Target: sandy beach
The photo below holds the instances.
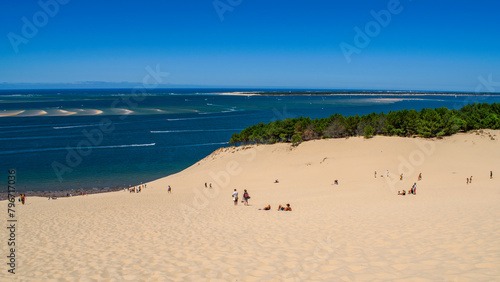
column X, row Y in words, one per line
column 358, row 230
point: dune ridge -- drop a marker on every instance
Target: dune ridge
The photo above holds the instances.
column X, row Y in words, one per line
column 359, row 230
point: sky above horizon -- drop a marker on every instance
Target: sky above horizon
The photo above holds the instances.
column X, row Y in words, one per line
column 389, row 45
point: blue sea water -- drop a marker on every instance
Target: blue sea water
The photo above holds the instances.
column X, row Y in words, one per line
column 112, row 138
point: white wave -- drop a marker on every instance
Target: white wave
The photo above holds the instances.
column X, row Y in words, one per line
column 125, row 146
column 204, row 144
column 20, row 95
column 74, row 148
column 75, row 126
column 39, row 137
column 193, row 130
column 194, row 118
column 231, row 110
column 227, row 110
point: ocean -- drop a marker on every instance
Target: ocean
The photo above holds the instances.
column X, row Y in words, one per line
column 95, row 139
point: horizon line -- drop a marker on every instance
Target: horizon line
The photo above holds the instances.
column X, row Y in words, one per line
column 102, row 85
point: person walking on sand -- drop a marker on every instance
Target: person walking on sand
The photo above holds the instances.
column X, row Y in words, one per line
column 235, row 197
column 470, row 179
column 491, row 174
column 245, row 197
column 401, row 177
column 205, row 185
column 387, row 173
column 169, row 189
column 375, row 174
column 467, row 180
column 420, row 177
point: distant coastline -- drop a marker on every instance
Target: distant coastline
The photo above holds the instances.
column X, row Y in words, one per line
column 235, row 91
column 355, row 93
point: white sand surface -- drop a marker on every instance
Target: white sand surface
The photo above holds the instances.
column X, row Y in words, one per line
column 359, row 230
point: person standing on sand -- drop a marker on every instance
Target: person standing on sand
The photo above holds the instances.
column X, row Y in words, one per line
column 470, row 179
column 169, row 189
column 491, row 174
column 235, row 197
column 420, row 177
column 387, row 173
column 245, row 197
column 375, row 174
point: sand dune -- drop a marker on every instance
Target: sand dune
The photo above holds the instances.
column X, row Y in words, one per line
column 31, row 113
column 60, row 112
column 359, row 230
column 10, row 113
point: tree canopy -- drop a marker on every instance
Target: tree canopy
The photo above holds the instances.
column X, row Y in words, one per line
column 424, row 123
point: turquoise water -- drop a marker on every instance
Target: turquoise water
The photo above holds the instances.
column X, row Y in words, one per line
column 72, row 139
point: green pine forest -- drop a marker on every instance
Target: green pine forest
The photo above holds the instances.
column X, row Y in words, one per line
column 405, row 123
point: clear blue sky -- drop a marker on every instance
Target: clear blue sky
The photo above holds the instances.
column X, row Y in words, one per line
column 426, row 45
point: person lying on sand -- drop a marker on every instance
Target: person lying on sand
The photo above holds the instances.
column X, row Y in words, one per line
column 267, row 208
column 402, row 193
column 287, row 208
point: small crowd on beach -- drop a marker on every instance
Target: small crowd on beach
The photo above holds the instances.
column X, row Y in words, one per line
column 246, row 197
column 469, row 179
column 287, row 207
column 136, row 189
column 412, row 191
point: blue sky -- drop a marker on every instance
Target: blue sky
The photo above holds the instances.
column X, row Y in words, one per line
column 425, row 45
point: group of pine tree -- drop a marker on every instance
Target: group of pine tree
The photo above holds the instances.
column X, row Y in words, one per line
column 424, row 123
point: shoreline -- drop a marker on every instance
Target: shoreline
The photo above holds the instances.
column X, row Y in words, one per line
column 62, row 193
column 77, row 192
